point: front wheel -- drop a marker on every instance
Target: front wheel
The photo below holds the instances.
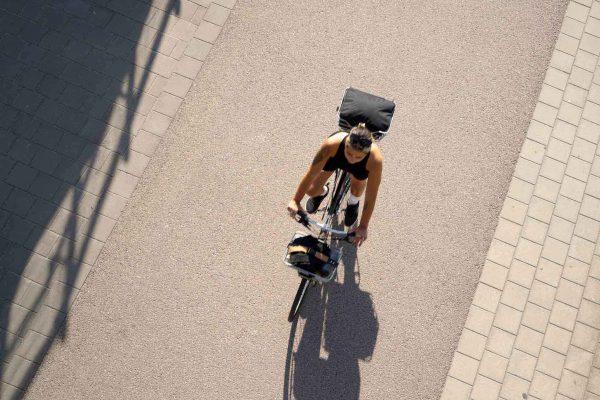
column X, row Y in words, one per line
column 298, row 299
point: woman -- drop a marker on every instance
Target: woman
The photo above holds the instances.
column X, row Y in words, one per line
column 356, row 153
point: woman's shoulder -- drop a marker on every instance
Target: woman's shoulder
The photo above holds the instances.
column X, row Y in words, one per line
column 376, row 151
column 337, row 137
column 375, row 157
column 334, row 140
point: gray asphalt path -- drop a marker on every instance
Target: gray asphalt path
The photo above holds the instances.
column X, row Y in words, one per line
column 189, row 297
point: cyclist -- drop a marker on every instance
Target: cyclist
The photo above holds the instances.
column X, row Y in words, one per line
column 356, row 153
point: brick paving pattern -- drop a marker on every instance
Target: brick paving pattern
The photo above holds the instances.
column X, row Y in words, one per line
column 87, row 90
column 533, row 328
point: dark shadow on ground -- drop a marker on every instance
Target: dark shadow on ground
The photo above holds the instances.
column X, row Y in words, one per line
column 340, row 328
column 70, row 105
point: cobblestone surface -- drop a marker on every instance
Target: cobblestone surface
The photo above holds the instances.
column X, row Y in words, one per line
column 534, row 324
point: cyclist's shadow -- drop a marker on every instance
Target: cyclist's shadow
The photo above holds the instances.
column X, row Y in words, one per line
column 340, row 329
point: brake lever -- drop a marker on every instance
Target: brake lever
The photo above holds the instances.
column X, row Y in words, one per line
column 302, row 218
column 350, row 236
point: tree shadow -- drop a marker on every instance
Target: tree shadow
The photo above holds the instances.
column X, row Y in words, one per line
column 340, row 328
column 73, row 77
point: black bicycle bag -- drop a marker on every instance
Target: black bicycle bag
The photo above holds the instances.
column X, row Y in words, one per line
column 357, row 106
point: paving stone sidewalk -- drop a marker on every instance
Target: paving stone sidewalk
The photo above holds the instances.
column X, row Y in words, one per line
column 87, row 90
column 533, row 328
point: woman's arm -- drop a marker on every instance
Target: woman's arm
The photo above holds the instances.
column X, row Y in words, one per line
column 371, row 192
column 316, row 166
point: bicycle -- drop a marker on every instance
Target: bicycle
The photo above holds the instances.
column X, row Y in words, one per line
column 329, row 268
column 356, row 107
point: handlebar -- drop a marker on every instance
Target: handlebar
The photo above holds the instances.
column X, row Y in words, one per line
column 303, row 218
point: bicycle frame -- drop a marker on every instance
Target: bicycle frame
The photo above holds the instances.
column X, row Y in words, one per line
column 341, row 187
column 325, row 229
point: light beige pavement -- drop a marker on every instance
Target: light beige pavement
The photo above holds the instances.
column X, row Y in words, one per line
column 189, row 296
column 532, row 331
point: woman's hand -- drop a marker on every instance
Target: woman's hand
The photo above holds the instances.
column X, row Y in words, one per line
column 293, row 208
column 360, row 235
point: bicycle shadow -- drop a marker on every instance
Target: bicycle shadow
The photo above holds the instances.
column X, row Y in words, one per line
column 340, row 329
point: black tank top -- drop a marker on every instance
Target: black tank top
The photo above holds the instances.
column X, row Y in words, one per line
column 358, row 170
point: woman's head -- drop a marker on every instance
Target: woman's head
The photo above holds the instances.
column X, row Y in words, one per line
column 359, row 143
column 360, row 138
